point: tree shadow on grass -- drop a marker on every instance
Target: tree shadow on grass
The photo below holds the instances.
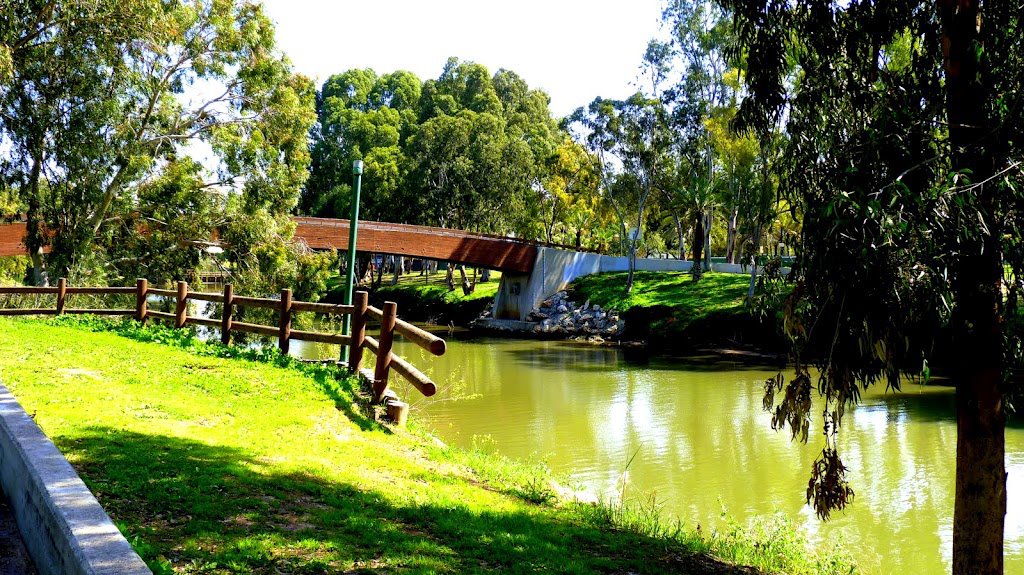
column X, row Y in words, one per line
column 214, row 509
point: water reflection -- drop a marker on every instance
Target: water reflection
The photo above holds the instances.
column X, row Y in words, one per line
column 704, row 445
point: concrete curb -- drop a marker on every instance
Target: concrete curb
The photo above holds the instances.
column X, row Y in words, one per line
column 63, row 526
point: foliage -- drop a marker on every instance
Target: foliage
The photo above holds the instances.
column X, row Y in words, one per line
column 903, row 160
column 630, row 139
column 14, row 269
column 467, row 150
column 103, row 138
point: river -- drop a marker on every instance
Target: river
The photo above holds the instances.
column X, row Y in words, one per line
column 703, row 444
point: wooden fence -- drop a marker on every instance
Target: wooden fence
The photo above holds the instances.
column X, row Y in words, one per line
column 286, row 307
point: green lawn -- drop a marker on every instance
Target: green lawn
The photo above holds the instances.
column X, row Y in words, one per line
column 428, row 299
column 221, row 460
column 669, row 310
column 713, row 293
column 435, row 288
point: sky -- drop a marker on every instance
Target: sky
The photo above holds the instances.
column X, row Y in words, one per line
column 575, row 50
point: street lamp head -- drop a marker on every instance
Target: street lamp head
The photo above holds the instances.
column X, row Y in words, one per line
column 357, row 167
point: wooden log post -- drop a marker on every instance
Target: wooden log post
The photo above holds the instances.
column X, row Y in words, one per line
column 398, row 412
column 387, row 338
column 285, row 325
column 62, row 294
column 355, row 352
column 182, row 305
column 141, row 289
column 225, row 321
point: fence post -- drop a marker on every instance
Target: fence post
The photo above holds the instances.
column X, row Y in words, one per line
column 225, row 322
column 355, row 353
column 182, row 307
column 141, row 289
column 387, row 337
column 286, row 321
column 62, row 293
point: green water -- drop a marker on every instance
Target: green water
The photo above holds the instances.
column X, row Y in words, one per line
column 704, row 445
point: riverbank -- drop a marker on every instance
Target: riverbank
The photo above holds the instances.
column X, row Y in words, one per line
column 427, row 299
column 191, row 448
column 666, row 311
column 669, row 311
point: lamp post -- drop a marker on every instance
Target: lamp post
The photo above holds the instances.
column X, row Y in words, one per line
column 350, row 273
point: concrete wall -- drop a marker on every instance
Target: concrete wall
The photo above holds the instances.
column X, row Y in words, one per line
column 63, row 526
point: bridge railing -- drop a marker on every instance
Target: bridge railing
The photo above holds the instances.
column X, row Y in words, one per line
column 361, row 312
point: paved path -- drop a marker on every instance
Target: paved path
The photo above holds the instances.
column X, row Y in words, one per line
column 14, row 558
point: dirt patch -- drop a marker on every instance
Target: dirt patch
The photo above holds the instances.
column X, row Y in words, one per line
column 79, row 372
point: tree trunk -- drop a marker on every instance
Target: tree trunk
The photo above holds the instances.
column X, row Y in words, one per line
column 467, row 287
column 980, row 503
column 753, row 266
column 632, row 265
column 707, row 234
column 632, row 249
column 450, row 277
column 550, row 228
column 698, row 239
column 34, row 233
column 730, row 236
column 679, row 233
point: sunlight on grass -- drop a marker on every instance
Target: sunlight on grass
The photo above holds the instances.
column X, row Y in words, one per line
column 715, row 292
column 231, row 460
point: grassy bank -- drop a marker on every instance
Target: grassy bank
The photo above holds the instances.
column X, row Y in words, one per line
column 222, row 460
column 428, row 299
column 670, row 309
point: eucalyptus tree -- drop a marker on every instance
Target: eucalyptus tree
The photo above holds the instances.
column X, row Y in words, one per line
column 633, row 137
column 466, row 149
column 479, row 156
column 102, row 97
column 571, row 199
column 694, row 65
column 362, row 116
column 902, row 155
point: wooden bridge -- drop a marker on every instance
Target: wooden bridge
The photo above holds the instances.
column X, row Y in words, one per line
column 531, row 271
column 492, row 252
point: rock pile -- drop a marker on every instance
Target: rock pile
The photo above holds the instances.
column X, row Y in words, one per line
column 559, row 315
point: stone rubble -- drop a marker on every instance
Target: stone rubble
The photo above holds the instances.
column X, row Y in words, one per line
column 559, row 316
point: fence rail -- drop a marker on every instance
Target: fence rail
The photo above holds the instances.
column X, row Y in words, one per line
column 357, row 340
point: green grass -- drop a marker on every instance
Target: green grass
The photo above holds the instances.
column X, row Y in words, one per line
column 428, row 299
column 669, row 309
column 226, row 460
column 712, row 294
column 435, row 288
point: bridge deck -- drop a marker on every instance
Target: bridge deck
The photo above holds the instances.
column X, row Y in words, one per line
column 12, row 239
column 505, row 254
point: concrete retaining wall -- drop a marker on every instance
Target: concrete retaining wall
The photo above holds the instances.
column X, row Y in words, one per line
column 63, row 526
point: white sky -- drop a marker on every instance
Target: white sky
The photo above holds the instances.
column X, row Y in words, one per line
column 575, row 50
